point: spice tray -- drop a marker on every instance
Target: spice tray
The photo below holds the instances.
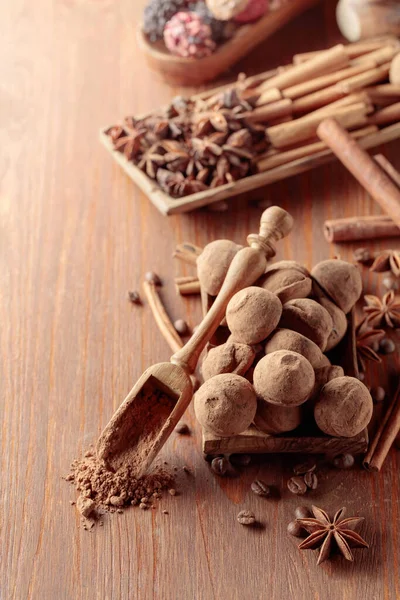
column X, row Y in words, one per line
column 168, row 205
column 306, row 439
column 188, row 71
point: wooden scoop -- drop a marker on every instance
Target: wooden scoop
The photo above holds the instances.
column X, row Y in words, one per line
column 144, row 421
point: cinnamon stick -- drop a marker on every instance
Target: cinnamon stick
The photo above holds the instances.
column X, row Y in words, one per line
column 383, row 93
column 186, row 286
column 265, row 113
column 388, row 167
column 345, row 101
column 361, row 165
column 329, row 60
column 352, row 229
column 363, row 79
column 304, row 128
column 389, row 114
column 187, row 252
column 270, row 95
column 385, row 436
column 379, row 56
column 161, row 317
column 352, row 50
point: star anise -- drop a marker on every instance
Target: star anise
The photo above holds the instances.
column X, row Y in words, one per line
column 382, row 310
column 388, row 260
column 327, row 535
column 130, row 144
column 365, row 339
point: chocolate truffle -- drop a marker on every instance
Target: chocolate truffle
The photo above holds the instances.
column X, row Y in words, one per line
column 325, row 374
column 339, row 322
column 252, row 314
column 340, row 280
column 309, row 318
column 273, row 419
column 225, row 405
column 284, row 377
column 286, row 339
column 287, row 284
column 344, row 407
column 213, row 264
column 230, row 357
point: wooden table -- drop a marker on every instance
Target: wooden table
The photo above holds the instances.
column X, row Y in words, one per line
column 75, row 236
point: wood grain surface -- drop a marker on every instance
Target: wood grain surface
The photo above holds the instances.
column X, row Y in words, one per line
column 75, row 236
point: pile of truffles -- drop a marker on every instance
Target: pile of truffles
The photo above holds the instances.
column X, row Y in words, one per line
column 273, row 371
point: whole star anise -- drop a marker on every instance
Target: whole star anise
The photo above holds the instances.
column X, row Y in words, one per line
column 327, row 535
column 382, row 310
column 365, row 339
column 388, row 260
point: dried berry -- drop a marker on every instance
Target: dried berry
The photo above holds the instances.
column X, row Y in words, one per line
column 302, row 512
column 387, row 346
column 240, row 460
column 305, row 467
column 295, row 529
column 311, row 480
column 297, row 485
column 220, row 465
column 187, row 35
column 152, row 278
column 260, row 488
column 378, row 394
column 343, row 461
column 246, row 517
column 182, row 428
column 156, row 14
column 181, row 326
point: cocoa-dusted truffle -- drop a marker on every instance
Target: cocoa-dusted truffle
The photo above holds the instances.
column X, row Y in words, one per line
column 344, row 407
column 230, row 357
column 252, row 314
column 213, row 264
column 339, row 322
column 286, row 339
column 287, row 284
column 273, row 419
column 308, row 318
column 325, row 374
column 284, row 377
column 340, row 280
column 225, row 405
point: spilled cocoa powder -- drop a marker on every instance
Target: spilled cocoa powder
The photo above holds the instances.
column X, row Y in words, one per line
column 101, row 490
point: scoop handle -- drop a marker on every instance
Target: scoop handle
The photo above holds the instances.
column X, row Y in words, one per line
column 246, row 267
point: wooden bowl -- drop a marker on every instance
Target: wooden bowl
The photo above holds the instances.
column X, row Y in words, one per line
column 193, row 72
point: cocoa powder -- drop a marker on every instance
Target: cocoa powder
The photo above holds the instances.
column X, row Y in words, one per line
column 100, row 490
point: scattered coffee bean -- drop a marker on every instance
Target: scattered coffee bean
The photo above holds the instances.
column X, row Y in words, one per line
column 375, row 346
column 311, row 480
column 305, row 467
column 219, row 465
column 143, row 506
column 343, row 461
column 302, row 512
column 361, row 376
column 172, row 492
column 387, row 346
column 134, row 297
column 240, row 460
column 246, row 517
column 187, row 470
column 362, row 255
column 378, row 394
column 153, row 278
column 165, row 512
column 181, row 326
column 294, row 528
column 182, row 428
column 260, row 488
column 296, row 485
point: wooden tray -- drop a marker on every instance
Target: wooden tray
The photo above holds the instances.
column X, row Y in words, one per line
column 169, row 206
column 304, row 440
column 185, row 71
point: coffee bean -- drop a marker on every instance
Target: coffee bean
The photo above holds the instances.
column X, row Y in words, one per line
column 220, row 465
column 378, row 394
column 153, row 278
column 294, row 528
column 302, row 512
column 260, row 488
column 296, row 485
column 362, row 255
column 134, row 297
column 182, row 428
column 387, row 346
column 181, row 326
column 246, row 517
column 311, row 480
column 361, row 376
column 305, row 467
column 240, row 460
column 172, row 492
column 343, row 461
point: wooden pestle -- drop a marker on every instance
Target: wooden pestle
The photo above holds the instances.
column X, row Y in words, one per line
column 360, row 164
column 146, row 418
